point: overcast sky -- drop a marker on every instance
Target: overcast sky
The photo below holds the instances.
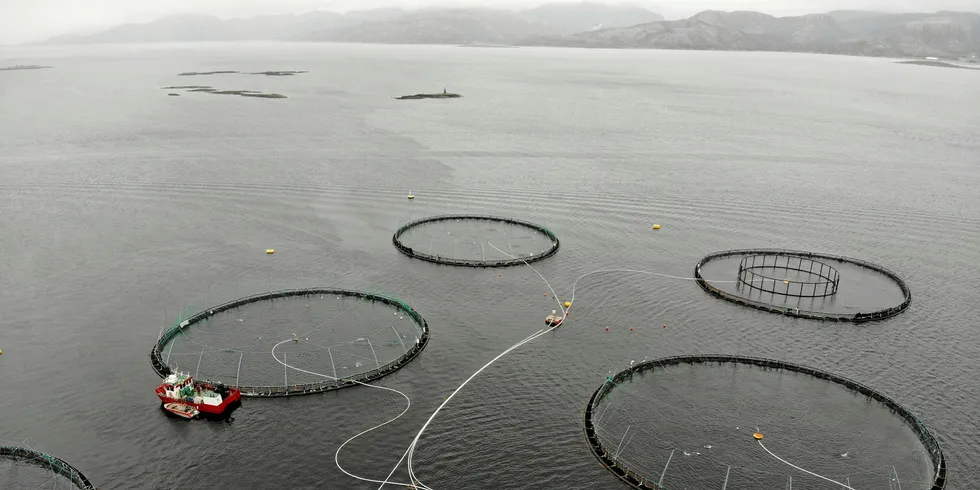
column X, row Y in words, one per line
column 26, row 20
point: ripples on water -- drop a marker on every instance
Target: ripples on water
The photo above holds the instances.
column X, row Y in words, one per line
column 120, row 202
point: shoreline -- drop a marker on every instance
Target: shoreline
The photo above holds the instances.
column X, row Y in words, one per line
column 159, row 45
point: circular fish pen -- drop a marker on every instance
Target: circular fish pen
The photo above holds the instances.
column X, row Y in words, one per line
column 475, row 240
column 804, row 284
column 49, row 467
column 746, row 422
column 348, row 336
column 753, row 273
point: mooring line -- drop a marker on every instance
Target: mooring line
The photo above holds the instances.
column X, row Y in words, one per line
column 336, row 456
column 848, row 487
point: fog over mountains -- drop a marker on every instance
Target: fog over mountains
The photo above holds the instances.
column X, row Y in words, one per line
column 940, row 34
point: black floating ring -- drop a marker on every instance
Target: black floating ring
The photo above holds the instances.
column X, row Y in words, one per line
column 163, row 370
column 48, row 462
column 637, row 480
column 796, row 312
column 438, row 259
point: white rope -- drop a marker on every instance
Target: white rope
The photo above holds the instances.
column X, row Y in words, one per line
column 336, row 456
column 553, row 293
column 411, row 448
column 539, row 333
column 803, row 470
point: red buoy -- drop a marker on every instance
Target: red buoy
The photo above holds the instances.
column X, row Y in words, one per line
column 665, row 325
column 607, row 329
column 631, row 329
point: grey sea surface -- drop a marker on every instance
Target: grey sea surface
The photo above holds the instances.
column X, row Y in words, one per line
column 121, row 207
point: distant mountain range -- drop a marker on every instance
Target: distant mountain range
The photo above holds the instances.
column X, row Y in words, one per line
column 940, row 34
column 428, row 26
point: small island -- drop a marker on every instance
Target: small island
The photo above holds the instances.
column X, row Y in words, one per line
column 940, row 64
column 193, row 73
column 211, row 90
column 270, row 73
column 249, row 93
column 24, row 67
column 443, row 95
column 185, row 87
column 284, row 73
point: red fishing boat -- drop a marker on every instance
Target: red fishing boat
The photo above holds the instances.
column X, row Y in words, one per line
column 208, row 398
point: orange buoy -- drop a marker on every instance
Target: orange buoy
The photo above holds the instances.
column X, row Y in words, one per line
column 757, row 436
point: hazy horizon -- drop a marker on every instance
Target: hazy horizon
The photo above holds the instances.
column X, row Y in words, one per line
column 42, row 19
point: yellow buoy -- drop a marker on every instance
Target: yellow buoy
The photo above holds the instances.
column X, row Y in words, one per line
column 785, row 282
column 656, row 227
column 270, row 251
column 568, row 304
column 1, row 352
column 757, row 436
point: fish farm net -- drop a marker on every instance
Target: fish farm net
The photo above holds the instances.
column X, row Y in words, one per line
column 24, row 467
column 737, row 422
column 475, row 241
column 291, row 342
column 804, row 284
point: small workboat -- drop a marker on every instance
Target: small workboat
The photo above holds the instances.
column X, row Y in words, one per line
column 209, row 398
column 182, row 410
column 553, row 319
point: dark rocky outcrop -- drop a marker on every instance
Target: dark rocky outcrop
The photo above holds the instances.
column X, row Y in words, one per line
column 284, row 73
column 439, row 95
column 24, row 67
column 212, row 90
column 195, row 73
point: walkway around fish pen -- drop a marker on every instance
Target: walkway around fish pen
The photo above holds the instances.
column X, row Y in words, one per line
column 163, row 370
column 636, row 480
column 438, row 259
column 796, row 312
column 49, row 462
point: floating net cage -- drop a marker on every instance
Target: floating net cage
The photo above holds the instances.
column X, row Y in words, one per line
column 804, row 284
column 475, row 240
column 293, row 341
column 724, row 421
column 770, row 273
column 24, row 467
